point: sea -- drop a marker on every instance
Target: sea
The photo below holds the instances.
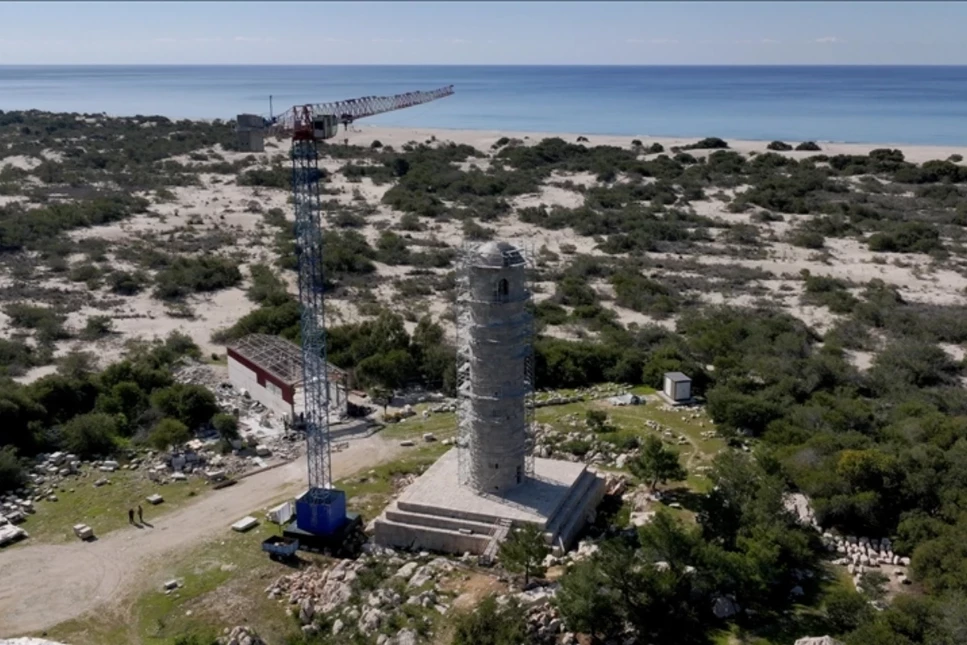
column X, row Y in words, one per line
column 853, row 104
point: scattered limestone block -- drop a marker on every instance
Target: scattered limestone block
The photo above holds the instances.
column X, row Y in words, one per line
column 154, row 499
column 179, row 477
column 11, row 533
column 262, row 450
column 245, row 524
column 83, row 531
column 428, row 437
column 406, row 443
column 171, row 584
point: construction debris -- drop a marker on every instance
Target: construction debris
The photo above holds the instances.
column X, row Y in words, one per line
column 83, row 531
column 10, row 533
column 247, row 523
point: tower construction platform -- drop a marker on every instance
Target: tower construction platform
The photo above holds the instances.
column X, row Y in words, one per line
column 436, row 513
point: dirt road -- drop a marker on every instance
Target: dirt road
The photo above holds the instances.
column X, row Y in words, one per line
column 43, row 585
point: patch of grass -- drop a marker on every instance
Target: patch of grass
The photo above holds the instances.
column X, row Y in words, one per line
column 630, row 422
column 105, row 508
column 442, row 425
column 369, row 492
column 223, row 585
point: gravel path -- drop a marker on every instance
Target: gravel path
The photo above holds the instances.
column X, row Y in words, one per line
column 42, row 585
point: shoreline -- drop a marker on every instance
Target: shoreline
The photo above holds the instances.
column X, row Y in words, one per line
column 676, row 140
column 663, row 137
column 396, row 136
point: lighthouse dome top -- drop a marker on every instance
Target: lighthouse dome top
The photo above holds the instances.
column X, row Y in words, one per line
column 497, row 255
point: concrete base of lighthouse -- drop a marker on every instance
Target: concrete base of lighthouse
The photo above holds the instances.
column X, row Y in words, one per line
column 435, row 513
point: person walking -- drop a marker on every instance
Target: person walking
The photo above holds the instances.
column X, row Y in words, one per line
column 140, row 514
column 130, row 516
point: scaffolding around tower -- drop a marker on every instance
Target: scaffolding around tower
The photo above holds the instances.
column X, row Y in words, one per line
column 495, row 367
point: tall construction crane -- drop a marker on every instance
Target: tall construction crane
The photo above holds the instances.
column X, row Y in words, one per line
column 321, row 516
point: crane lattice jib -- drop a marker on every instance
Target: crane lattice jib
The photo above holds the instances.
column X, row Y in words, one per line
column 352, row 109
column 308, row 228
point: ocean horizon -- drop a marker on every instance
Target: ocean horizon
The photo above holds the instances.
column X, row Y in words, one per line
column 899, row 104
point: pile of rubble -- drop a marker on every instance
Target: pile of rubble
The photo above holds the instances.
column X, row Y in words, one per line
column 551, row 443
column 240, row 635
column 51, row 473
column 861, row 555
column 314, row 593
column 251, row 414
column 544, row 625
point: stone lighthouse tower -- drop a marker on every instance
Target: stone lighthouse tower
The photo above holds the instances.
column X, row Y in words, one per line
column 494, row 330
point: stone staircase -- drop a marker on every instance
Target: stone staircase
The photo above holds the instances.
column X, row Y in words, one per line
column 569, row 518
column 499, row 534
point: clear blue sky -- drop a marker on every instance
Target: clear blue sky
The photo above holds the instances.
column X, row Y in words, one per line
column 621, row 33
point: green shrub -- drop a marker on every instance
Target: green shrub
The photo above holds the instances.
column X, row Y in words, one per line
column 168, row 433
column 708, row 143
column 192, row 405
column 91, row 435
column 346, row 253
column 474, row 231
column 226, row 425
column 12, row 473
column 189, row 275
column 833, row 293
column 808, row 146
column 636, row 292
column 491, row 624
column 410, row 222
column 267, row 288
column 16, row 357
column 126, row 283
column 275, row 176
column 83, row 273
column 779, row 146
column 47, row 323
column 907, row 237
column 97, row 327
column 392, row 249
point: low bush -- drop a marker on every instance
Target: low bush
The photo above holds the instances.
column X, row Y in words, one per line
column 808, row 146
column 193, row 275
column 46, row 322
column 708, row 143
column 779, row 146
column 127, row 283
column 907, row 237
column 97, row 327
column 13, row 475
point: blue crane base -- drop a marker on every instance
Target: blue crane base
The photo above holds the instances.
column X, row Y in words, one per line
column 321, row 511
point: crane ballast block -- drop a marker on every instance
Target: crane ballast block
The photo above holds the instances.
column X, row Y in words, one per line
column 321, row 511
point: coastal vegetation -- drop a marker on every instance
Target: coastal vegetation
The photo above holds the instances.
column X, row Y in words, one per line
column 816, row 297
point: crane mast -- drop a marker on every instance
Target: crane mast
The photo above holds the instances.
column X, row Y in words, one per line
column 321, row 511
column 308, row 232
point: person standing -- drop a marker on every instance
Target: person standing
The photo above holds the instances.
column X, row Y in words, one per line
column 140, row 514
column 130, row 516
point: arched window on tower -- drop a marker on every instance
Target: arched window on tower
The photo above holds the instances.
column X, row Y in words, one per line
column 502, row 293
